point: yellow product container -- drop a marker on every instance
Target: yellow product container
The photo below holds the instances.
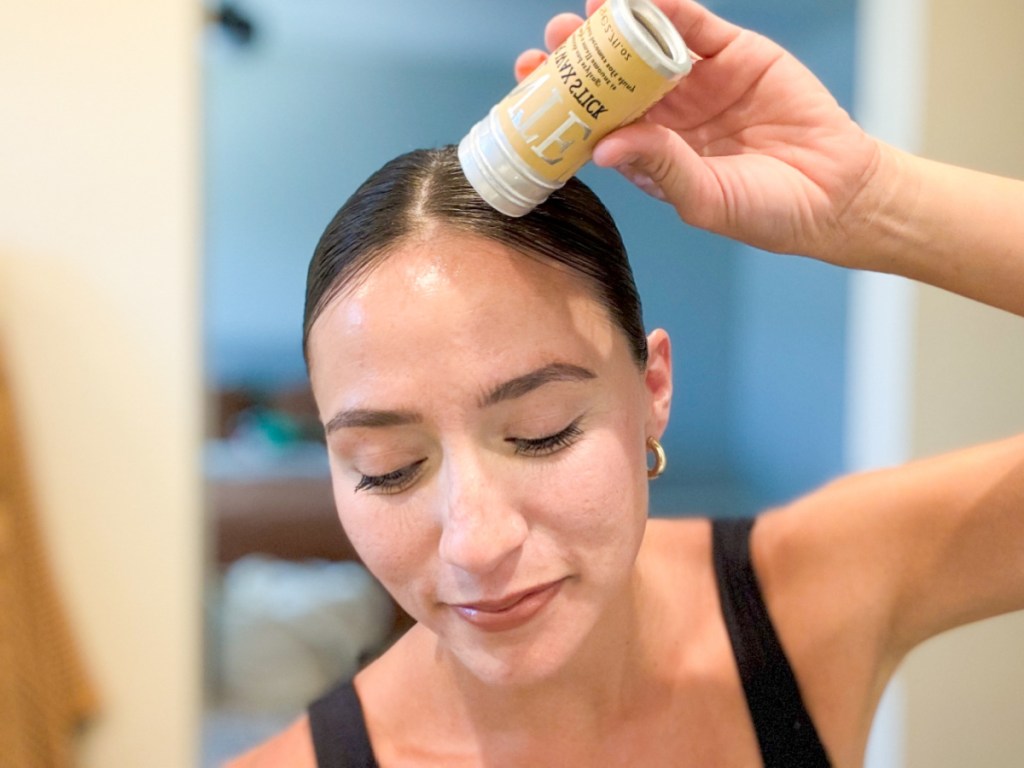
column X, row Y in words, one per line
column 607, row 74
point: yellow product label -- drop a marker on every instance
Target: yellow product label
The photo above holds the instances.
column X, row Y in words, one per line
column 593, row 83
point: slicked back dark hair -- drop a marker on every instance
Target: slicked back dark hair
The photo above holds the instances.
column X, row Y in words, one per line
column 426, row 187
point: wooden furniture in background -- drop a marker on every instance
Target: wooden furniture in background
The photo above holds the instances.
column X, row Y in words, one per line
column 44, row 692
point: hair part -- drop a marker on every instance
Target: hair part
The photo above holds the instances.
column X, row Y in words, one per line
column 425, row 188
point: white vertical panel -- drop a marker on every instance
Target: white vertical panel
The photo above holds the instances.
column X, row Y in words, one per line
column 890, row 81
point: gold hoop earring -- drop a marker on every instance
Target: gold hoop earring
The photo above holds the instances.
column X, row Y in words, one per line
column 659, row 458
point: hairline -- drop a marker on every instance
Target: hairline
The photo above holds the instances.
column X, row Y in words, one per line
column 427, row 225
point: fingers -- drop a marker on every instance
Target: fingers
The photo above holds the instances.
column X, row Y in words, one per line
column 528, row 61
column 555, row 33
column 559, row 28
column 703, row 32
column 657, row 160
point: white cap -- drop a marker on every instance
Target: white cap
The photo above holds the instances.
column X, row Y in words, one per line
column 497, row 174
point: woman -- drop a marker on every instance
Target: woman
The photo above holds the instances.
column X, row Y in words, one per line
column 490, row 401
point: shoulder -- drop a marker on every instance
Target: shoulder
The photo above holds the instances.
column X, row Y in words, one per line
column 857, row 573
column 292, row 747
column 826, row 564
column 829, row 598
column 918, row 549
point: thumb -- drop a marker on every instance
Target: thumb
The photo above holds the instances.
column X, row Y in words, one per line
column 657, row 160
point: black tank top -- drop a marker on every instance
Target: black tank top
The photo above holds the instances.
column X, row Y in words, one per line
column 785, row 732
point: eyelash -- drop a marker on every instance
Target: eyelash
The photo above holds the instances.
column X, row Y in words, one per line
column 400, row 479
column 544, row 446
column 392, row 482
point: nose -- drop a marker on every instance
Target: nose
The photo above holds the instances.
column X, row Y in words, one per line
column 482, row 526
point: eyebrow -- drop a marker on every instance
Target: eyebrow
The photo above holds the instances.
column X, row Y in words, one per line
column 509, row 390
column 522, row 385
column 364, row 417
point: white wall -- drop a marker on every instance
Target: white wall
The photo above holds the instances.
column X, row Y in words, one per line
column 889, row 103
column 965, row 690
column 98, row 315
column 931, row 371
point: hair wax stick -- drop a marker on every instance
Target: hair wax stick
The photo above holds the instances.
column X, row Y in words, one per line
column 608, row 73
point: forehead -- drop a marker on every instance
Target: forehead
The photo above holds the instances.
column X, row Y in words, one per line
column 455, row 306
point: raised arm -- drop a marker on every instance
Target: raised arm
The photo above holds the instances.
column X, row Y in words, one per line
column 919, row 549
column 752, row 146
column 862, row 571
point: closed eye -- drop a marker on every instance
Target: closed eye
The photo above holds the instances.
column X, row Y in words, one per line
column 391, row 482
column 400, row 479
column 544, row 446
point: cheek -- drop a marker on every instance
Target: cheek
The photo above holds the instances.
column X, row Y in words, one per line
column 393, row 543
column 601, row 504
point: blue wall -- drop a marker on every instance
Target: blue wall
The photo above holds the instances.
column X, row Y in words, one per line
column 296, row 121
column 788, row 363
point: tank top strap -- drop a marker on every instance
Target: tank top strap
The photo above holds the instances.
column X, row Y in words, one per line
column 785, row 731
column 338, row 728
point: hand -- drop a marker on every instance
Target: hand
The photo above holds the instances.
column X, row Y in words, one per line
column 750, row 145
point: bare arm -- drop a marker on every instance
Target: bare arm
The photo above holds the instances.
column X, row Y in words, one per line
column 950, row 227
column 752, row 146
column 860, row 572
column 917, row 549
column 967, row 562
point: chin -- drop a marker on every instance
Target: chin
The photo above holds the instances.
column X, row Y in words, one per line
column 530, row 655
column 517, row 669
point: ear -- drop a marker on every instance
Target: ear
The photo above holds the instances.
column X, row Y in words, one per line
column 658, row 382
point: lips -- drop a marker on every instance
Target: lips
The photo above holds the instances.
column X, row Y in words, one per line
column 510, row 611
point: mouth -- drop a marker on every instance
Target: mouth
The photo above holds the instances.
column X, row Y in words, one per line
column 509, row 611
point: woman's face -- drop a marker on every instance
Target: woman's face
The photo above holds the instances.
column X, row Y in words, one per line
column 486, row 427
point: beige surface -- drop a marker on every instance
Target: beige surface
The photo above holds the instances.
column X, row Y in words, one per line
column 965, row 690
column 99, row 317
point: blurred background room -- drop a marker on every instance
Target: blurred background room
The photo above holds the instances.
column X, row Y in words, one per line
column 167, row 168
